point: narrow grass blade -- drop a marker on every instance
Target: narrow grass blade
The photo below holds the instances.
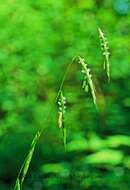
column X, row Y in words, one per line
column 17, row 185
column 24, row 168
column 29, row 157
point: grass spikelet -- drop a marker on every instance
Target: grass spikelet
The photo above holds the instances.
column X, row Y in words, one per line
column 62, row 108
column 87, row 81
column 24, row 169
column 106, row 53
column 85, row 84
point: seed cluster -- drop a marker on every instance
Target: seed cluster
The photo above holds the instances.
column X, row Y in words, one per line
column 106, row 53
column 87, row 81
column 62, row 109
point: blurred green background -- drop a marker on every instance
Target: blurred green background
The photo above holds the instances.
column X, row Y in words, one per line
column 38, row 39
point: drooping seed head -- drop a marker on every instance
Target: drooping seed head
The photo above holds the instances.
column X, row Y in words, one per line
column 87, row 81
column 105, row 52
column 61, row 113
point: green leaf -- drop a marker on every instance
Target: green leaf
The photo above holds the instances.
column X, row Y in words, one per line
column 108, row 156
column 61, row 169
column 118, row 140
column 77, row 145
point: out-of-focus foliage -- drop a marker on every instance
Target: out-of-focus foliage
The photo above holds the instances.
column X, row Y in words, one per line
column 38, row 39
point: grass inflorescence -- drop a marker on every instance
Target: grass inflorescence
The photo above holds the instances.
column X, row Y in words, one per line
column 106, row 53
column 87, row 84
column 61, row 117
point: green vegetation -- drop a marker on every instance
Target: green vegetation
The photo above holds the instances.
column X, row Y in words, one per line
column 38, row 40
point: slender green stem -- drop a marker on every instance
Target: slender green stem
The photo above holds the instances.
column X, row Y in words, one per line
column 39, row 133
